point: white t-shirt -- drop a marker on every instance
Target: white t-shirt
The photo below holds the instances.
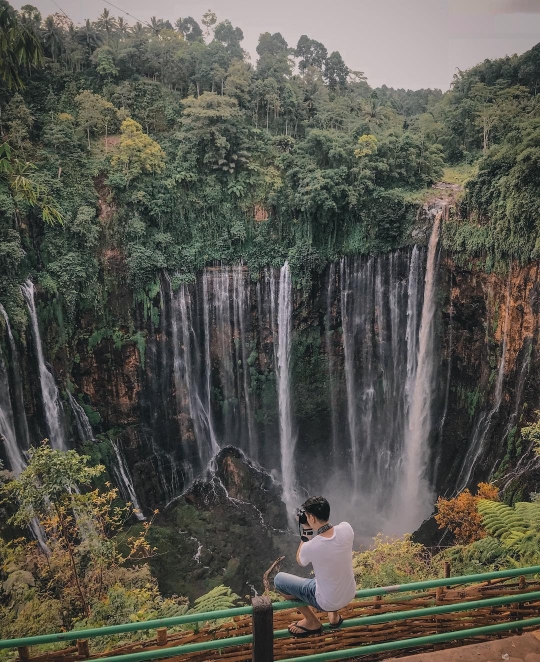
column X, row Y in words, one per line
column 332, row 563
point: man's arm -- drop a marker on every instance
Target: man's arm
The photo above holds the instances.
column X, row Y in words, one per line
column 298, row 553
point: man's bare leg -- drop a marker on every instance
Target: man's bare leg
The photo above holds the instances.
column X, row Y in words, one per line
column 310, row 621
column 333, row 617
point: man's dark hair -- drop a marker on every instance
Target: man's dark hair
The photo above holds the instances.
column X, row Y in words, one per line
column 318, row 507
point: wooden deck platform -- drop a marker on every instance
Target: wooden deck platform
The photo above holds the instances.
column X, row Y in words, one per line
column 525, row 648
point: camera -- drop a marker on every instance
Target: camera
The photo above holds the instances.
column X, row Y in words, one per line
column 301, row 516
column 306, row 533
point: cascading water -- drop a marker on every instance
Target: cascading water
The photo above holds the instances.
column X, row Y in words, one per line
column 191, row 404
column 287, row 437
column 380, row 299
column 415, row 499
column 230, row 340
column 124, row 480
column 8, row 433
column 54, row 415
column 21, row 424
column 11, row 401
column 332, row 377
column 81, row 420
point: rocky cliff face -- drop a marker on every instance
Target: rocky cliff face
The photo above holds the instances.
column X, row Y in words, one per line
column 194, row 368
column 490, row 331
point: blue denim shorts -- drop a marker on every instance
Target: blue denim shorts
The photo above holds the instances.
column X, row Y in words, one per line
column 301, row 589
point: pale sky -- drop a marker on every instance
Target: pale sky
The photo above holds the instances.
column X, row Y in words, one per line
column 400, row 43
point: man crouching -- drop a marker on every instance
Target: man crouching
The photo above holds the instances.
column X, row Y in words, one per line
column 329, row 549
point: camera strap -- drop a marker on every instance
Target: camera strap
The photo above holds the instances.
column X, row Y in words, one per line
column 324, row 528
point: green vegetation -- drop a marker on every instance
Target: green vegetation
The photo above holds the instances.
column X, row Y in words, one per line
column 129, row 150
column 164, row 144
column 92, row 569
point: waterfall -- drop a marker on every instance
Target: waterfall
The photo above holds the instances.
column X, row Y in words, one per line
column 379, row 302
column 11, row 401
column 241, row 305
column 348, row 323
column 207, row 355
column 230, row 337
column 125, row 482
column 483, row 426
column 49, row 392
column 412, row 326
column 331, row 360
column 21, row 424
column 186, row 373
column 287, row 437
column 7, row 424
column 415, row 499
column 81, row 420
column 223, row 331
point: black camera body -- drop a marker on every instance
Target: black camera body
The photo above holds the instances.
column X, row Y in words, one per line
column 306, row 533
column 301, row 516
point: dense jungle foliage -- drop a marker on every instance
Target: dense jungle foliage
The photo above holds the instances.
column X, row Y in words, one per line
column 163, row 145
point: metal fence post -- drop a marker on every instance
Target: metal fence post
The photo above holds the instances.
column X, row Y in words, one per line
column 263, row 629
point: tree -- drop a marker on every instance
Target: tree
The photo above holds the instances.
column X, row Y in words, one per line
column 336, row 71
column 230, row 37
column 311, row 53
column 80, row 523
column 19, row 121
column 122, row 29
column 95, row 114
column 494, row 106
column 238, row 81
column 274, row 60
column 31, row 18
column 19, row 47
column 60, row 133
column 53, row 38
column 105, row 62
column 214, row 132
column 106, row 23
column 17, row 174
column 209, row 19
column 137, row 152
column 367, row 144
column 189, row 29
column 460, row 514
column 89, row 37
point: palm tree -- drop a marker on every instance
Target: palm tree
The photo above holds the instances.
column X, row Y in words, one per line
column 89, row 37
column 138, row 30
column 19, row 47
column 53, row 38
column 122, row 28
column 106, row 23
column 158, row 24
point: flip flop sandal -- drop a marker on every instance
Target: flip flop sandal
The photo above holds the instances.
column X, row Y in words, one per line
column 305, row 631
column 336, row 626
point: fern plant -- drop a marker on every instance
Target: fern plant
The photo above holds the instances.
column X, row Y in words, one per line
column 500, row 520
column 517, row 528
column 220, row 597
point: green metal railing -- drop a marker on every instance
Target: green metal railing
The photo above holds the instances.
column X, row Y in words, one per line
column 321, row 657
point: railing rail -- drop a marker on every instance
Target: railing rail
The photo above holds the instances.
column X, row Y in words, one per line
column 265, row 633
